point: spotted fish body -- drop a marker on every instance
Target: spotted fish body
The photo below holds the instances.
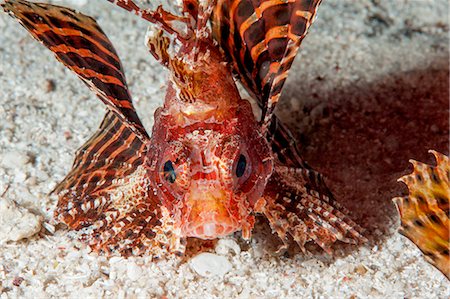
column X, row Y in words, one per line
column 209, row 166
column 424, row 213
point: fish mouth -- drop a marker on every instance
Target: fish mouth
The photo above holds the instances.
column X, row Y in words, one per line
column 210, row 230
column 209, row 215
column 210, row 224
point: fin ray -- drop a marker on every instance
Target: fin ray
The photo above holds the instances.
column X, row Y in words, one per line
column 261, row 39
column 424, row 213
column 80, row 44
column 305, row 214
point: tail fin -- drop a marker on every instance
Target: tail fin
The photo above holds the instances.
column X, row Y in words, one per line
column 424, row 213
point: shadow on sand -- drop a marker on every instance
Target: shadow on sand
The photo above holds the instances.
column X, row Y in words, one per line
column 368, row 133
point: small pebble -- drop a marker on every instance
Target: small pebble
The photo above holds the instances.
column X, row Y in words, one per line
column 50, row 85
column 19, row 176
column 133, row 271
column 49, row 227
column 225, row 245
column 67, row 135
column 361, row 269
column 17, row 223
column 78, row 2
column 434, row 128
column 17, row 281
column 209, row 264
column 14, row 159
column 115, row 260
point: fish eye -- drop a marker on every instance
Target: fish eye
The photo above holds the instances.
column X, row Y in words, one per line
column 169, row 172
column 241, row 165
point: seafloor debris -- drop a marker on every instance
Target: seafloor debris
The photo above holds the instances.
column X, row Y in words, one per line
column 424, row 212
column 210, row 264
column 16, row 222
column 14, row 159
column 224, row 246
column 18, row 280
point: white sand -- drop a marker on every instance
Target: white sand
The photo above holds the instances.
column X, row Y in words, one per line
column 40, row 131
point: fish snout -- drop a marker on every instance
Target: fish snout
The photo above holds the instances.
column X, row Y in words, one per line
column 209, row 214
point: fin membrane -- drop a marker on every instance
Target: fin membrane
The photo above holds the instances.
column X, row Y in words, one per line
column 261, row 39
column 424, row 213
column 108, row 197
column 297, row 211
column 80, row 44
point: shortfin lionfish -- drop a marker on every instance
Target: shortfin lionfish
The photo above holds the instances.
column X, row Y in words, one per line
column 424, row 213
column 209, row 165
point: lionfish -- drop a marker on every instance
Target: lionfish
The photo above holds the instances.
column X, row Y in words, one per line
column 210, row 166
column 424, row 213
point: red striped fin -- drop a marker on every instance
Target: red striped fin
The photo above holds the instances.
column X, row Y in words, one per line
column 107, row 195
column 261, row 38
column 295, row 180
column 284, row 146
column 111, row 154
column 194, row 18
column 186, row 29
column 164, row 20
column 424, row 213
column 297, row 211
column 81, row 45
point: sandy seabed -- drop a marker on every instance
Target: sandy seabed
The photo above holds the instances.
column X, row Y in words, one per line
column 369, row 91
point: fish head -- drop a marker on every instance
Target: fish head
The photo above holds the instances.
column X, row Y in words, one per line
column 210, row 174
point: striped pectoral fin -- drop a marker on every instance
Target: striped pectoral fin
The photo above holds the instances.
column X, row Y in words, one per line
column 262, row 38
column 123, row 219
column 284, row 145
column 81, row 45
column 132, row 222
column 424, row 213
column 108, row 197
column 296, row 211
